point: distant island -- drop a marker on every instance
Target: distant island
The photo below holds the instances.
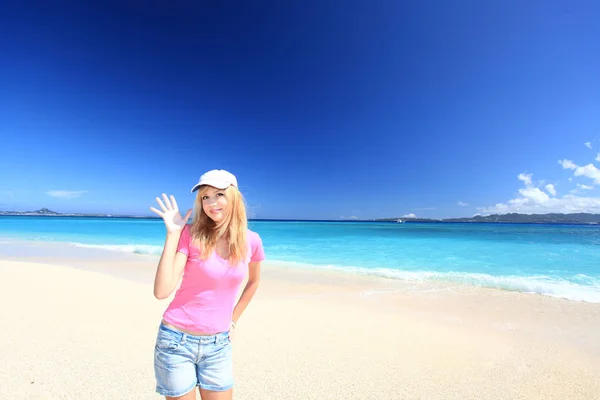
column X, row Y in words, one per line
column 44, row 212
column 515, row 218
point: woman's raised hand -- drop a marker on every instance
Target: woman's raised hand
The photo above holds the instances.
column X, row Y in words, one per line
column 170, row 214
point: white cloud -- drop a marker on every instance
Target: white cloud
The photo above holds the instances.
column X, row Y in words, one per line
column 460, row 203
column 533, row 194
column 598, row 157
column 532, row 200
column 589, row 171
column 526, row 178
column 66, row 194
column 411, row 215
column 567, row 164
column 588, row 145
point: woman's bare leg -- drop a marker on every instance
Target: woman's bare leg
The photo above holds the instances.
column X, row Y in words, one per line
column 191, row 395
column 212, row 395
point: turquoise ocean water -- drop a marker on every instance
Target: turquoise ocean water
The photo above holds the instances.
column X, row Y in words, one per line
column 555, row 260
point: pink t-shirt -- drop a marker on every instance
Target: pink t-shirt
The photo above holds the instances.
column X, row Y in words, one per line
column 208, row 292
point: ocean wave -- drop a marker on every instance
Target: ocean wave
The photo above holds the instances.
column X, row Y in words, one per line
column 124, row 248
column 581, row 288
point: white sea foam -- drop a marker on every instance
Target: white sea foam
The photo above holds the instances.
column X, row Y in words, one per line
column 125, row 248
column 589, row 291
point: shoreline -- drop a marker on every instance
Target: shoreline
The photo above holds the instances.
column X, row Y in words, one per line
column 380, row 290
column 73, row 253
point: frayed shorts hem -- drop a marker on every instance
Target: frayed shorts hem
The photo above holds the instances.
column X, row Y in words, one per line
column 204, row 387
column 215, row 388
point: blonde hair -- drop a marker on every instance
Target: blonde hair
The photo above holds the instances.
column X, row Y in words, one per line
column 205, row 232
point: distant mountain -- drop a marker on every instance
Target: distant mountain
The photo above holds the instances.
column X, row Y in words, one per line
column 43, row 211
column 553, row 218
column 50, row 213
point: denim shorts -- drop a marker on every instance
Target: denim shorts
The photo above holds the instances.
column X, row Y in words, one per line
column 183, row 361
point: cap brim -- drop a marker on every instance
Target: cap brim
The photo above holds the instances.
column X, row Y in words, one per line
column 217, row 184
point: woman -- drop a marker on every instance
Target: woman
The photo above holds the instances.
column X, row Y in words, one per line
column 214, row 253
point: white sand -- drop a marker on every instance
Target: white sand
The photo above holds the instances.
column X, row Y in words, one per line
column 74, row 333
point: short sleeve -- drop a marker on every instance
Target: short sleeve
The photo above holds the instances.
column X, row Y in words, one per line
column 258, row 252
column 184, row 241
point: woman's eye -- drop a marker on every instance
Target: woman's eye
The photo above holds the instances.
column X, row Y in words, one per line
column 220, row 194
column 204, row 197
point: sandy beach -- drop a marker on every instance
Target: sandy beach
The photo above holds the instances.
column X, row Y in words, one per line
column 77, row 327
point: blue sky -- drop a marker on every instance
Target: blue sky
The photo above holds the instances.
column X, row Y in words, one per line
column 323, row 110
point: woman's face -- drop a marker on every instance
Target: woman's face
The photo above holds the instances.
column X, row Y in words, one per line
column 214, row 203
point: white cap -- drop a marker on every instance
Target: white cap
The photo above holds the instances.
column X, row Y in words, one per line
column 218, row 178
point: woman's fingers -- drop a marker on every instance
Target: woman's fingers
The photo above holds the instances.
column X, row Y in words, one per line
column 160, row 214
column 160, row 203
column 166, row 205
column 174, row 203
column 167, row 202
